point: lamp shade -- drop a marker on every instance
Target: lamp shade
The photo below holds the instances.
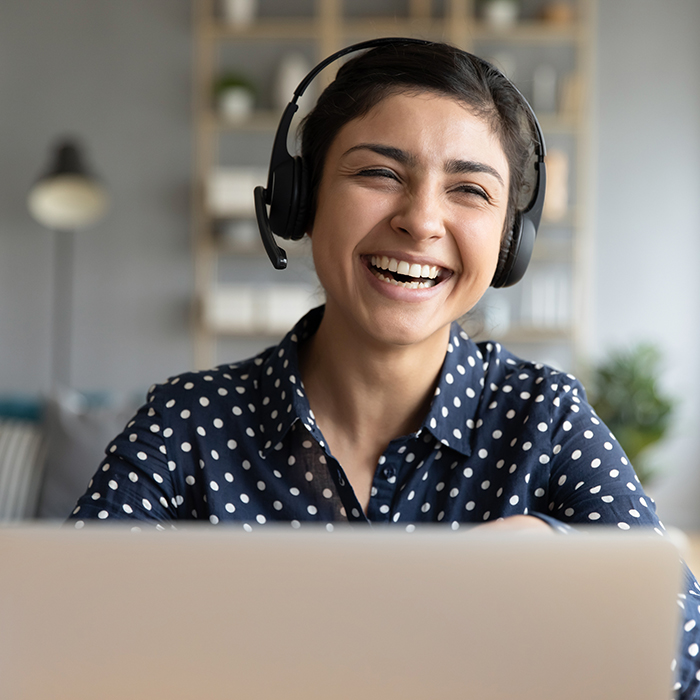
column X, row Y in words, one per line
column 67, row 197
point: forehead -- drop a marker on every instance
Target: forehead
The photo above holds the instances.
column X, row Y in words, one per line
column 431, row 126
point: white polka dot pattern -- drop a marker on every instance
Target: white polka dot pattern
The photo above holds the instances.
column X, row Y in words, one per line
column 502, row 437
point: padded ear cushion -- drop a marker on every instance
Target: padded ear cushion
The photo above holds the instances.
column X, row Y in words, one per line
column 503, row 257
column 509, row 247
column 282, row 197
column 299, row 211
column 515, row 258
column 288, row 207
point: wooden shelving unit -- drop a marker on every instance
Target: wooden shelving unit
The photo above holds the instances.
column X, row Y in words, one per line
column 564, row 245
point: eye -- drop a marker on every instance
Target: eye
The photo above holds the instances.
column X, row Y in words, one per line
column 473, row 190
column 377, row 172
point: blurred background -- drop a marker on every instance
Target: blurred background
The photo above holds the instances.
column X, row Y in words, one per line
column 172, row 106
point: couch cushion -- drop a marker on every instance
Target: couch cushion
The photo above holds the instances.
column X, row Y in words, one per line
column 77, row 433
column 21, row 461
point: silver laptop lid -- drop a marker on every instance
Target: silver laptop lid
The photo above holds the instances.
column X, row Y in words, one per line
column 215, row 613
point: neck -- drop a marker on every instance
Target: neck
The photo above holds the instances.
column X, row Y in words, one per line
column 367, row 389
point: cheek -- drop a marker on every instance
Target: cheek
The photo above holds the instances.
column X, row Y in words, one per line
column 480, row 248
column 331, row 243
column 343, row 217
column 343, row 202
column 490, row 263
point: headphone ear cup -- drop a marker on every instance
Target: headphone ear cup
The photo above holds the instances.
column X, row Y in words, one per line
column 298, row 217
column 503, row 260
column 516, row 252
column 288, row 207
column 282, row 197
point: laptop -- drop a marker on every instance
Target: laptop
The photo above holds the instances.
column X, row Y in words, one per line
column 218, row 613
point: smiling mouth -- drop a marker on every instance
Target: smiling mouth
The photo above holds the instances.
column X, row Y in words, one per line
column 405, row 274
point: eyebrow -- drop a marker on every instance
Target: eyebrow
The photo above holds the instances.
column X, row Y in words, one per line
column 457, row 167
column 389, row 151
column 453, row 167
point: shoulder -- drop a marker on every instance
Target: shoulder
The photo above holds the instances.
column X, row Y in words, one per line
column 510, row 373
column 526, row 393
column 204, row 386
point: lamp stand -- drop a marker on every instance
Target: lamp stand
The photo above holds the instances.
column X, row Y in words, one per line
column 62, row 317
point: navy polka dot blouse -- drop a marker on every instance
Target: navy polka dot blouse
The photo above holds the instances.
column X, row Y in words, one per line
column 502, row 437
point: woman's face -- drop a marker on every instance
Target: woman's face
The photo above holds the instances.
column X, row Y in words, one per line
column 411, row 208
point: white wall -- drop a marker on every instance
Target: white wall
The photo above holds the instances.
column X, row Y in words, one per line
column 117, row 74
column 647, row 285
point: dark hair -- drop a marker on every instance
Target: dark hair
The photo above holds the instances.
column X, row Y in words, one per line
column 366, row 79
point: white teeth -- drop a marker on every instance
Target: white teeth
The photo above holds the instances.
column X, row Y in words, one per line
column 405, row 268
column 415, row 270
column 408, row 285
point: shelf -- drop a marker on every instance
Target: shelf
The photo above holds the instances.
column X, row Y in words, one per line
column 250, row 310
column 302, row 28
column 265, row 121
column 291, row 28
column 294, row 249
column 529, row 335
column 391, row 26
column 533, row 32
column 562, row 250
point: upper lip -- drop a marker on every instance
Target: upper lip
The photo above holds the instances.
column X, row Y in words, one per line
column 411, row 264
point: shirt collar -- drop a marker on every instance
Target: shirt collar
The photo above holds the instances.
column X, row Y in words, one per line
column 452, row 415
column 282, row 387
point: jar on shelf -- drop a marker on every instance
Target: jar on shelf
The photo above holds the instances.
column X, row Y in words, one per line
column 234, row 97
column 500, row 14
column 240, row 13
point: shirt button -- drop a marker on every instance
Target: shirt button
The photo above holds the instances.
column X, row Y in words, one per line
column 389, row 472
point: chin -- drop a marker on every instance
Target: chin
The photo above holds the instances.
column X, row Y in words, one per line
column 406, row 329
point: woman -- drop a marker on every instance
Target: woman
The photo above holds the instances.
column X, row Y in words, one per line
column 378, row 407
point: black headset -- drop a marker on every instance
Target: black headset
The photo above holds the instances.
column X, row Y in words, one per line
column 286, row 193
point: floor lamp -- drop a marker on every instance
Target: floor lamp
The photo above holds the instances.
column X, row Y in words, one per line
column 66, row 198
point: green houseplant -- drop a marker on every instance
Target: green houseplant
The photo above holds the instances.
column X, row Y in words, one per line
column 628, row 399
column 234, row 95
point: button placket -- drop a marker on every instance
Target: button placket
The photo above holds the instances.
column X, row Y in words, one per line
column 385, row 482
column 346, row 493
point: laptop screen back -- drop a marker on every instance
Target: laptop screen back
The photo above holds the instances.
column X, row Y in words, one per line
column 216, row 613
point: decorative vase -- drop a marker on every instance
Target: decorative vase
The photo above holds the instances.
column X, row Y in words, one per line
column 236, row 104
column 501, row 14
column 291, row 71
column 239, row 12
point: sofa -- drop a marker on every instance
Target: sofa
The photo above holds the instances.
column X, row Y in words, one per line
column 50, row 448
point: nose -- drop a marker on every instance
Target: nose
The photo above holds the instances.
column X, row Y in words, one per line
column 420, row 214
